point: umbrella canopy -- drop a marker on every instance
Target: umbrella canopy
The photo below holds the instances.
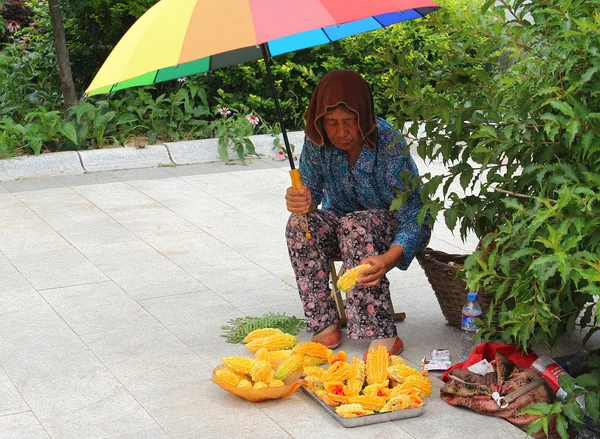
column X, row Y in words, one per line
column 177, row 38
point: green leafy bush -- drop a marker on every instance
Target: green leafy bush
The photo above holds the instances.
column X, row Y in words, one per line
column 513, row 112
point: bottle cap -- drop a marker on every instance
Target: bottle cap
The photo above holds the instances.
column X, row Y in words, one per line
column 472, row 296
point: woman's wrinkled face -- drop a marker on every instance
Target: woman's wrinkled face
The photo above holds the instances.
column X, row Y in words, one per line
column 341, row 126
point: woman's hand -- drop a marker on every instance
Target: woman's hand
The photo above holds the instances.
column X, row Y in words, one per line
column 299, row 200
column 380, row 265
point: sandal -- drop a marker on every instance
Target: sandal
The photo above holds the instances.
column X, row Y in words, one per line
column 396, row 349
column 331, row 339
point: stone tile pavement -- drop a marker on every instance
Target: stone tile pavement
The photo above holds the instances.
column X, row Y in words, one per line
column 113, row 289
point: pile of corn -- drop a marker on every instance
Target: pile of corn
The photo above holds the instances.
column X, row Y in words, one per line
column 276, row 357
column 385, row 383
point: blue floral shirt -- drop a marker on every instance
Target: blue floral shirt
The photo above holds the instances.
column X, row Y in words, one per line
column 369, row 184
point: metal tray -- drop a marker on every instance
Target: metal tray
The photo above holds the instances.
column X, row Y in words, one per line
column 367, row 419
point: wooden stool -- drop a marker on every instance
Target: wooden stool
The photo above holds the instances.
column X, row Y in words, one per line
column 340, row 303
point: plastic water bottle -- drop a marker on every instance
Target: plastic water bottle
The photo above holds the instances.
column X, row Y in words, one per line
column 470, row 312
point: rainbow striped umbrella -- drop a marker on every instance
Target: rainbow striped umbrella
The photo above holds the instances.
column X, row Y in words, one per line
column 177, row 38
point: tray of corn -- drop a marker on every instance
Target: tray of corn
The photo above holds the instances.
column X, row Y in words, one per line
column 359, row 421
column 384, row 388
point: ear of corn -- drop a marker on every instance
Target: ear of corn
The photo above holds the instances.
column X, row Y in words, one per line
column 415, row 384
column 337, row 373
column 245, row 384
column 239, row 365
column 312, row 361
column 312, row 349
column 399, row 372
column 314, row 383
column 373, row 389
column 367, row 402
column 263, row 355
column 402, row 402
column 262, row 372
column 377, row 364
column 347, row 281
column 261, row 333
column 290, row 365
column 352, row 411
column 276, row 383
column 227, row 377
column 395, row 359
column 273, row 342
column 314, row 371
column 356, row 379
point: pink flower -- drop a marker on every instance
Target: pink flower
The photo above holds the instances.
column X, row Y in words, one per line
column 369, row 333
column 254, row 120
column 224, row 111
column 370, row 309
column 13, row 26
column 280, row 155
column 370, row 248
column 182, row 79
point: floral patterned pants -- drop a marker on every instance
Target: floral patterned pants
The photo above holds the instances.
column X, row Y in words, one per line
column 354, row 236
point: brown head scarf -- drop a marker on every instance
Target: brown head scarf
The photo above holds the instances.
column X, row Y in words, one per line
column 341, row 87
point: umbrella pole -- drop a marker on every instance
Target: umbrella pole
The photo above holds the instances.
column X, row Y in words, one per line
column 294, row 173
column 277, row 107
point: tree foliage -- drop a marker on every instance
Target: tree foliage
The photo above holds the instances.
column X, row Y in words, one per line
column 514, row 113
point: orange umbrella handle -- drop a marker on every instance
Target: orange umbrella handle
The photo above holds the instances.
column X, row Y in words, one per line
column 296, row 179
column 297, row 184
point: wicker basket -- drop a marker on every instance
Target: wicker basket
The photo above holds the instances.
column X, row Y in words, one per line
column 451, row 292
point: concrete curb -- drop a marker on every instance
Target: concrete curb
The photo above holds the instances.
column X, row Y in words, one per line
column 206, row 150
column 115, row 159
column 46, row 165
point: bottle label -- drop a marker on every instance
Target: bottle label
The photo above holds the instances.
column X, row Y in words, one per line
column 551, row 374
column 468, row 323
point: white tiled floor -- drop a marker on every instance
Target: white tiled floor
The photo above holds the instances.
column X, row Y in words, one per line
column 113, row 290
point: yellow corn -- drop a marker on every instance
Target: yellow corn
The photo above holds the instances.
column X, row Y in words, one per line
column 290, row 365
column 311, row 349
column 245, row 384
column 375, row 388
column 314, row 371
column 352, row 411
column 337, row 372
column 261, row 371
column 356, row 379
column 261, row 333
column 239, row 365
column 263, row 355
column 395, row 359
column 276, row 383
column 273, row 342
column 414, row 384
column 377, row 364
column 312, row 361
column 402, row 402
column 227, row 377
column 347, row 281
column 314, row 383
column 399, row 372
column 368, row 402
